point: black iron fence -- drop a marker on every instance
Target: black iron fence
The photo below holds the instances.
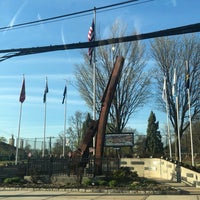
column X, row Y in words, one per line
column 11, row 171
column 58, row 166
column 67, row 166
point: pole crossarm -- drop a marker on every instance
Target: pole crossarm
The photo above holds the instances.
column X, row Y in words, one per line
column 192, row 28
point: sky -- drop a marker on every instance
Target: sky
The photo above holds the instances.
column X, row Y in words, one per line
column 143, row 16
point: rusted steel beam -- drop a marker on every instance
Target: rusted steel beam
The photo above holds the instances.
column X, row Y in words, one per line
column 90, row 133
column 105, row 107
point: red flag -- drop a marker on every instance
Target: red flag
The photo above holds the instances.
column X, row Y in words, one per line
column 22, row 93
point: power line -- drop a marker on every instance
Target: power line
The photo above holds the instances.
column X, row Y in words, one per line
column 123, row 6
column 74, row 14
column 192, row 28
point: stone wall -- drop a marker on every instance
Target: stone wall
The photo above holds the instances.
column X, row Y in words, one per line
column 160, row 168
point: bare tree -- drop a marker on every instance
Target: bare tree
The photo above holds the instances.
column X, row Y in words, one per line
column 58, row 146
column 133, row 88
column 75, row 131
column 169, row 54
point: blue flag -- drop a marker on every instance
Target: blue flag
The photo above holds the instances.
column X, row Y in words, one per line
column 64, row 94
column 46, row 90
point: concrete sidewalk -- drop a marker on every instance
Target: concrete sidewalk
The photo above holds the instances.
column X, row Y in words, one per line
column 184, row 192
column 182, row 187
column 26, row 194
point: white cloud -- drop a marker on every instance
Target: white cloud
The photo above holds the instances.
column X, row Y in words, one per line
column 20, row 9
column 68, row 76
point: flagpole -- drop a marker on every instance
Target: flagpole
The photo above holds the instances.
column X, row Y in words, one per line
column 45, row 105
column 21, row 99
column 65, row 118
column 168, row 130
column 174, row 93
column 94, row 78
column 179, row 138
column 44, row 137
column 190, row 120
column 164, row 96
column 18, row 136
column 191, row 137
column 94, row 70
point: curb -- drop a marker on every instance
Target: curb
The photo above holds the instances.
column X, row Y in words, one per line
column 96, row 190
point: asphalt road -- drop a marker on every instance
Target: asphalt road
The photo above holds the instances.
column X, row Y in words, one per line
column 59, row 195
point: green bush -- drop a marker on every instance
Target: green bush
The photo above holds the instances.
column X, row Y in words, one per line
column 135, row 184
column 102, row 182
column 124, row 174
column 112, row 183
column 13, row 180
column 87, row 182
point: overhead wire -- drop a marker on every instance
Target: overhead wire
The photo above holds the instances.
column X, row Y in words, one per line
column 74, row 14
column 124, row 6
column 35, row 50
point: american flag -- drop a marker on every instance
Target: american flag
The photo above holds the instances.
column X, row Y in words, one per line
column 91, row 37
